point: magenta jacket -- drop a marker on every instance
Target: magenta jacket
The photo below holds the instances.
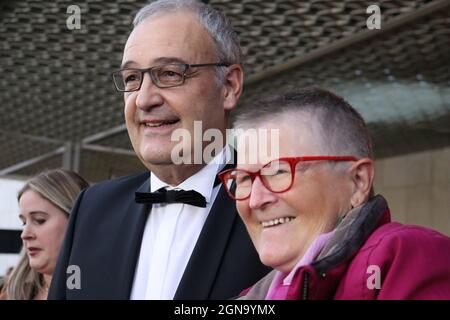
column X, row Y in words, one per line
column 370, row 257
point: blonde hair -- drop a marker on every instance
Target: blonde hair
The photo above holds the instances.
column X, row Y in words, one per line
column 61, row 188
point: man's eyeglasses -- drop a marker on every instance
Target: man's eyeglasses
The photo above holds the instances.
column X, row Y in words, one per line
column 163, row 76
column 277, row 176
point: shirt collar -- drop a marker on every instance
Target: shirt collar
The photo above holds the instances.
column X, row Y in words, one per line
column 202, row 181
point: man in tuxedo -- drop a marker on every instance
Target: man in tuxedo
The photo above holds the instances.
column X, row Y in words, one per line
column 171, row 232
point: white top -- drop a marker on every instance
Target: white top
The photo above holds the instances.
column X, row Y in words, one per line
column 171, row 232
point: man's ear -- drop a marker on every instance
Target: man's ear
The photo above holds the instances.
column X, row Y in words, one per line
column 234, row 82
column 363, row 172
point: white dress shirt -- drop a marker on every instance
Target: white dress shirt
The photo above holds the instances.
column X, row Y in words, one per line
column 171, row 232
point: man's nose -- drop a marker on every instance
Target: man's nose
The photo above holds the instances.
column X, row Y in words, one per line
column 260, row 197
column 148, row 95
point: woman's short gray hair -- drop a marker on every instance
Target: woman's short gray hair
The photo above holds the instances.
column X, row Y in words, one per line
column 216, row 23
column 341, row 129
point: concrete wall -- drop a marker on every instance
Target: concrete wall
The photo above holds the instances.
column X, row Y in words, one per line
column 417, row 187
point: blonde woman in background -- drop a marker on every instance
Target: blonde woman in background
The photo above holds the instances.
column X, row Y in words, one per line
column 45, row 203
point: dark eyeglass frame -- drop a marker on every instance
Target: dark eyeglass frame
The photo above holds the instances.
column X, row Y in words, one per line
column 293, row 161
column 154, row 78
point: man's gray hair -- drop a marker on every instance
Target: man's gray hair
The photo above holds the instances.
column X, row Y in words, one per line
column 217, row 24
column 341, row 129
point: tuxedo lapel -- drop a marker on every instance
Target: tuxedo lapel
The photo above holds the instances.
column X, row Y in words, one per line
column 204, row 263
column 132, row 230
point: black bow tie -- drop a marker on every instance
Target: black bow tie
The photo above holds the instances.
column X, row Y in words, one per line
column 177, row 196
column 171, row 196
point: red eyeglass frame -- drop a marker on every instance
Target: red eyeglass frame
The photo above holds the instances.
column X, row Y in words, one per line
column 292, row 162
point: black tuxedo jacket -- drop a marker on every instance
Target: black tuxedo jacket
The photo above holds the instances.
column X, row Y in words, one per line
column 104, row 236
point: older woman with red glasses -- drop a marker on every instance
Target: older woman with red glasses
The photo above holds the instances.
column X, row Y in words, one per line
column 312, row 214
